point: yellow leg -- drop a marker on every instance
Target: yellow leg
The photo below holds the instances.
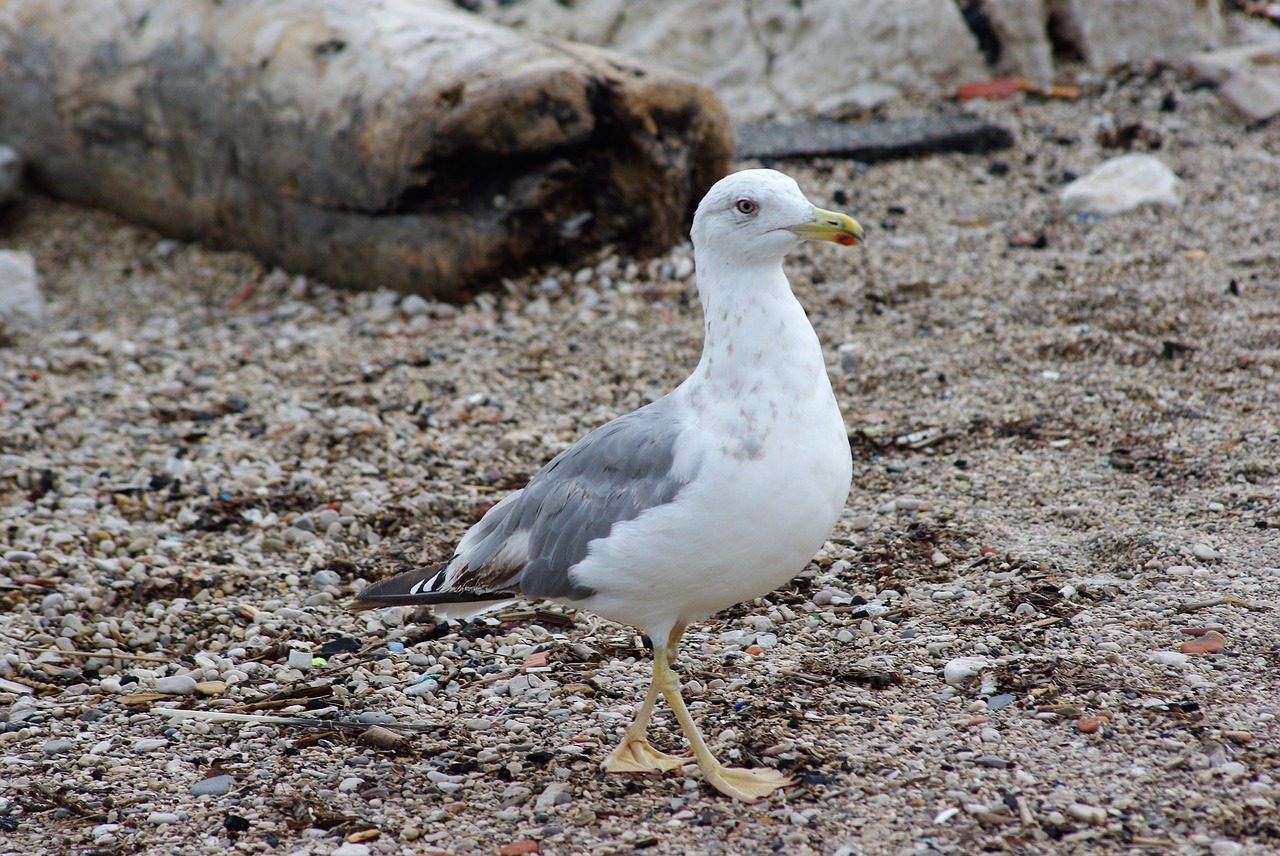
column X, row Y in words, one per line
column 635, row 754
column 737, row 782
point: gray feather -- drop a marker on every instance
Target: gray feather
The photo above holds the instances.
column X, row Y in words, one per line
column 610, row 476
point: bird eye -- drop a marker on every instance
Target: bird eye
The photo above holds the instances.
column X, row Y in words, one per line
column 746, row 206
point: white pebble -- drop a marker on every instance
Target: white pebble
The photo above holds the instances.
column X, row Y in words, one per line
column 176, row 685
column 1087, row 813
column 961, row 670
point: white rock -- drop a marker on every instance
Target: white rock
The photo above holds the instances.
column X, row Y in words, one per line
column 1248, row 76
column 1226, row 847
column 1205, row 553
column 21, row 302
column 760, row 57
column 176, row 685
column 300, row 660
column 1123, row 184
column 1112, row 32
column 350, row 849
column 961, row 670
column 1169, row 658
column 1087, row 813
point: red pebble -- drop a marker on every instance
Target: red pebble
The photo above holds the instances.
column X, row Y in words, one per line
column 1210, row 643
column 519, row 848
column 1200, row 631
column 536, row 660
column 1091, row 724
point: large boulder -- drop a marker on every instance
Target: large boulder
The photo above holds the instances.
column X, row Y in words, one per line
column 775, row 57
column 397, row 143
column 785, row 58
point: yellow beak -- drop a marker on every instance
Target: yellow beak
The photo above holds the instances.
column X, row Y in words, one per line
column 830, row 226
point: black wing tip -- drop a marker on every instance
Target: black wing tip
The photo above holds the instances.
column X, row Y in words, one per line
column 376, row 597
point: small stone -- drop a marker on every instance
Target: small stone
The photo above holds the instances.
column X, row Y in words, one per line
column 519, row 848
column 1091, row 814
column 300, row 660
column 351, row 848
column 992, row 761
column 211, row 688
column 149, row 744
column 55, row 747
column 325, row 578
column 176, row 685
column 213, row 786
column 162, row 817
column 961, row 670
column 1169, row 658
column 1205, row 553
column 349, row 784
column 1001, row 701
column 1123, row 184
column 1210, row 643
column 556, row 793
column 1024, row 610
column 1091, row 724
column 19, row 557
column 22, row 304
column 414, row 304
column 1226, row 847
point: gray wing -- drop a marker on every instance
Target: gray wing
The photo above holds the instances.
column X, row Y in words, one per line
column 536, row 535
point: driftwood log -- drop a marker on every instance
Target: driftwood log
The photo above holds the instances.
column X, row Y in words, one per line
column 369, row 143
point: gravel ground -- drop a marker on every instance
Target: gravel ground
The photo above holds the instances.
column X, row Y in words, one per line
column 1067, row 462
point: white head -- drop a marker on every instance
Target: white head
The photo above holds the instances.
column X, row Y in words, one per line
column 757, row 216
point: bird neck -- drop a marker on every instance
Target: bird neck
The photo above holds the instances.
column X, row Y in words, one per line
column 756, row 334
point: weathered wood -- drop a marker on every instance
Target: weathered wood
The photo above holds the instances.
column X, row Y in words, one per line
column 397, row 143
column 877, row 140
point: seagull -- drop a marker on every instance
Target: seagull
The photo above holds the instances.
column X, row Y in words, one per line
column 716, row 493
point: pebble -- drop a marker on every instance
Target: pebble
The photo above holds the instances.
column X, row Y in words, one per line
column 1205, row 553
column 22, row 303
column 1169, row 658
column 556, row 793
column 325, row 578
column 176, row 685
column 1091, row 814
column 162, row 817
column 1091, row 724
column 961, row 670
column 349, row 784
column 300, row 660
column 351, row 848
column 992, row 761
column 19, row 557
column 213, row 786
column 1000, row 702
column 1226, row 847
column 55, row 747
column 1210, row 642
column 519, row 848
column 1122, row 184
column 149, row 744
